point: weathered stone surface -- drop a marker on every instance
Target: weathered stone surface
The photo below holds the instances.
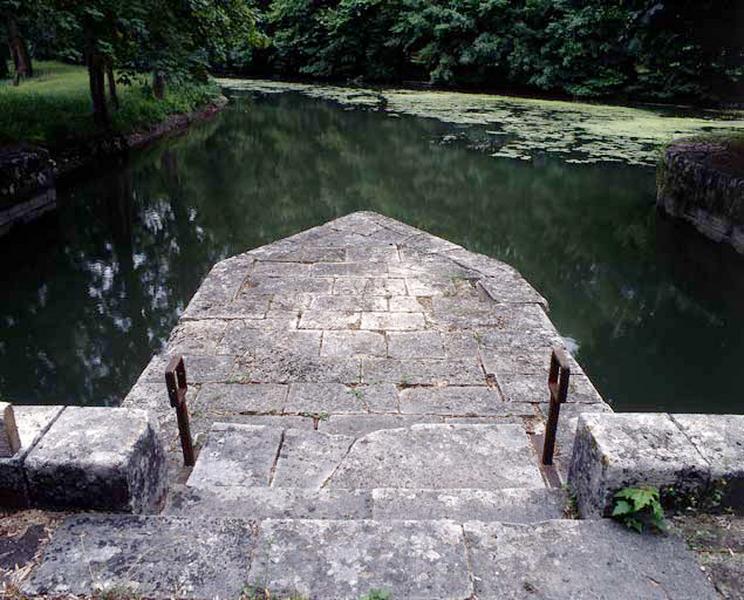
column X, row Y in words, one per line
column 100, row 459
column 146, row 557
column 510, row 360
column 613, row 451
column 242, row 455
column 270, row 503
column 459, row 400
column 359, row 425
column 370, row 286
column 194, row 337
column 251, row 338
column 419, row 344
column 343, row 344
column 520, row 387
column 517, row 505
column 335, row 398
column 308, row 458
column 229, row 399
column 348, row 303
column 286, row 368
column 389, row 321
column 326, row 319
column 199, row 368
column 405, row 304
column 32, row 422
column 332, row 560
column 720, row 441
column 509, row 286
column 440, row 456
column 580, row 559
column 422, row 372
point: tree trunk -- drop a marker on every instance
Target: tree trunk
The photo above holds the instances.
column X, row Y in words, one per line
column 113, row 96
column 19, row 51
column 158, row 85
column 97, row 81
column 4, row 71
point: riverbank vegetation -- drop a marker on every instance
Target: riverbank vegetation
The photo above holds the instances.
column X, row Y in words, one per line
column 54, row 107
column 670, row 50
column 139, row 61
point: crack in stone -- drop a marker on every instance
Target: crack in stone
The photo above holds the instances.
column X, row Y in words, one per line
column 272, row 472
column 343, row 458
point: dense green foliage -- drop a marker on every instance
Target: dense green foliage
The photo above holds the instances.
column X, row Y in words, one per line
column 653, row 49
column 175, row 40
column 54, row 107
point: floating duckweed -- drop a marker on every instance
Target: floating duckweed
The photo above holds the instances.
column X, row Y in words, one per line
column 589, row 133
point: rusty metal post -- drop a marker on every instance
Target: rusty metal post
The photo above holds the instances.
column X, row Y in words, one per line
column 560, row 371
column 175, row 381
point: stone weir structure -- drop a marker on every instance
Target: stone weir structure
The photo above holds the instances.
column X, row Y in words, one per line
column 366, row 399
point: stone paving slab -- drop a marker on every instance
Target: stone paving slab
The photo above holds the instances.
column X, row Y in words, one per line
column 720, row 441
column 270, row 503
column 440, row 456
column 517, row 505
column 334, row 560
column 237, row 455
column 148, row 557
column 580, row 559
column 460, row 401
column 335, row 398
column 235, row 398
column 308, row 458
column 359, row 425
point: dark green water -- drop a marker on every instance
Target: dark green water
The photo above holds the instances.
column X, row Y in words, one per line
column 91, row 290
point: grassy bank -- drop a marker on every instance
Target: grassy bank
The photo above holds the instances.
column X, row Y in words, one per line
column 54, row 108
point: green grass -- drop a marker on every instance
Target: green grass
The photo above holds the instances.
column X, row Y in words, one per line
column 54, row 108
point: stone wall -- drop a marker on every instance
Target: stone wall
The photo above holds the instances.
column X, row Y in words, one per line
column 703, row 183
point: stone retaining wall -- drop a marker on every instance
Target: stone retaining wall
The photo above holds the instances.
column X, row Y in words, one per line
column 703, row 183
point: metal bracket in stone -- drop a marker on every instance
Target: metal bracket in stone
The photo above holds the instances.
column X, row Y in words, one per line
column 560, row 372
column 10, row 442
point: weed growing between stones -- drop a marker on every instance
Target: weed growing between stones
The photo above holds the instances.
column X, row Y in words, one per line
column 256, row 592
column 639, row 508
column 377, row 595
column 571, row 509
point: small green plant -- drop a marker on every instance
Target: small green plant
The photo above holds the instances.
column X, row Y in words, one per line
column 257, row 592
column 639, row 508
column 571, row 509
column 357, row 393
column 377, row 595
column 316, row 416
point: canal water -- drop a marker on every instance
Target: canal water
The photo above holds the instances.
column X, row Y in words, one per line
column 91, row 290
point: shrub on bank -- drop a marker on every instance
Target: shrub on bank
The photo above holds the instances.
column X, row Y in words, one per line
column 54, row 107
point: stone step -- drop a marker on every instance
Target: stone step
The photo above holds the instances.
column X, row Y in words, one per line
column 515, row 505
column 425, row 455
column 169, row 556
